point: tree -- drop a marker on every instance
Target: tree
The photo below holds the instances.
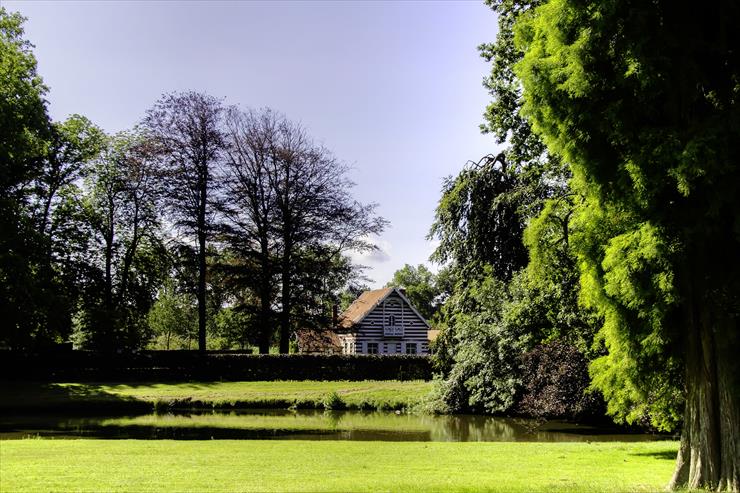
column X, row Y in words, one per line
column 124, row 249
column 479, row 220
column 73, row 144
column 24, row 134
column 292, row 212
column 187, row 128
column 172, row 317
column 249, row 211
column 509, row 217
column 641, row 100
column 421, row 288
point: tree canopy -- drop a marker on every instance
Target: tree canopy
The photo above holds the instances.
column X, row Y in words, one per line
column 642, row 100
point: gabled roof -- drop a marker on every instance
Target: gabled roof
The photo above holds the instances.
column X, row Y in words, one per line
column 367, row 301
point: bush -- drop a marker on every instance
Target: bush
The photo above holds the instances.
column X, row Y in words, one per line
column 555, row 381
column 222, row 365
column 334, row 402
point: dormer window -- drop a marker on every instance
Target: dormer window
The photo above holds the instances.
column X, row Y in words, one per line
column 393, row 318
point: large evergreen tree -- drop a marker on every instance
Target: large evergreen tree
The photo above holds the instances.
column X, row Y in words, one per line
column 643, row 100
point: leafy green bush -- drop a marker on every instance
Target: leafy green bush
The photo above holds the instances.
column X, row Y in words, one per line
column 334, row 402
column 555, row 383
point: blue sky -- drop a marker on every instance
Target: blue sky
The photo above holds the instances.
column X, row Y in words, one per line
column 393, row 88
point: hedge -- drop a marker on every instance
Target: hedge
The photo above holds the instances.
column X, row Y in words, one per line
column 192, row 365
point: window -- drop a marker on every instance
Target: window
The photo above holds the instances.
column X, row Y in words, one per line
column 372, row 348
column 410, row 348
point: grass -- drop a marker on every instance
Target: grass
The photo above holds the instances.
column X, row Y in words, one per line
column 142, row 397
column 332, row 466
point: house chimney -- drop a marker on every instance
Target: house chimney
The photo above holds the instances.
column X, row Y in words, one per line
column 334, row 315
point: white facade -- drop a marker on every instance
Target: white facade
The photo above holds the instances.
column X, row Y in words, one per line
column 392, row 326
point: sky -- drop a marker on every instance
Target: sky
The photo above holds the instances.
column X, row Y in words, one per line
column 394, row 89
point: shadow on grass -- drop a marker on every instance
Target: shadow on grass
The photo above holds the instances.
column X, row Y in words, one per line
column 658, row 454
column 78, row 399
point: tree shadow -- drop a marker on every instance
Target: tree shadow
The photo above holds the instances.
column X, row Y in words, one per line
column 78, row 398
column 658, row 454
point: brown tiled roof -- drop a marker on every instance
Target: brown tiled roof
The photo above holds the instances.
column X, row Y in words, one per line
column 361, row 306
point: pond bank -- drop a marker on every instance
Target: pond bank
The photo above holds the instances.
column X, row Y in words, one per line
column 261, row 424
column 136, row 398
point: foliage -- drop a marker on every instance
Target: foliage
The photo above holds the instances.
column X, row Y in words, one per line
column 485, row 374
column 172, row 318
column 125, row 259
column 555, row 384
column 642, row 100
column 478, row 221
column 420, row 288
column 291, row 218
column 334, row 402
column 188, row 131
column 24, row 135
column 506, row 221
column 213, row 365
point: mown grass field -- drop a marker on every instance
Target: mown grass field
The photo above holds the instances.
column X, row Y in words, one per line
column 383, row 395
column 332, row 466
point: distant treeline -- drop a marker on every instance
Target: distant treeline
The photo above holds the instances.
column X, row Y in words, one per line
column 203, row 219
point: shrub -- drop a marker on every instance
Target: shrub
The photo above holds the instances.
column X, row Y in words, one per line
column 334, row 402
column 555, row 380
column 192, row 365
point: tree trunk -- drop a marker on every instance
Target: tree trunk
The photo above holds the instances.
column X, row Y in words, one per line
column 202, row 191
column 201, row 291
column 708, row 455
column 265, row 323
column 109, row 236
column 285, row 313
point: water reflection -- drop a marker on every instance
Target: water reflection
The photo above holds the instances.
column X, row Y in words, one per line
column 310, row 425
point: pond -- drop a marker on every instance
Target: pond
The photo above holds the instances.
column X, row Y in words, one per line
column 310, row 425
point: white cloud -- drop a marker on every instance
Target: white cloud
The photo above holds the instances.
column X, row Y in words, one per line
column 374, row 257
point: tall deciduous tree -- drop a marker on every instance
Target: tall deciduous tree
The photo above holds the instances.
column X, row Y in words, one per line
column 292, row 215
column 250, row 212
column 188, row 128
column 24, row 134
column 642, row 100
column 316, row 217
column 121, row 210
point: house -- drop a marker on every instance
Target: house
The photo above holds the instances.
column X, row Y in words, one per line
column 382, row 321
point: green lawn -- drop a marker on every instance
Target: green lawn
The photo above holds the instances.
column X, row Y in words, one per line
column 147, row 396
column 230, row 466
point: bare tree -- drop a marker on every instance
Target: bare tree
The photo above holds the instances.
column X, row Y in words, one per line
column 250, row 212
column 301, row 212
column 188, row 130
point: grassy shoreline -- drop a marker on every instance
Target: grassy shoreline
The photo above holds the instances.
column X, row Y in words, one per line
column 308, row 466
column 110, row 397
